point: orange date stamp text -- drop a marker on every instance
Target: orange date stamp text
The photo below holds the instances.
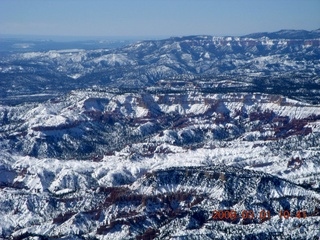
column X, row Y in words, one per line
column 250, row 215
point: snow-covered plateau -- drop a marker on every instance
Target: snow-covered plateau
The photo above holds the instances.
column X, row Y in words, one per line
column 262, row 60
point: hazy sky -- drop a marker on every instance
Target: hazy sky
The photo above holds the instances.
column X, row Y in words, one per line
column 155, row 17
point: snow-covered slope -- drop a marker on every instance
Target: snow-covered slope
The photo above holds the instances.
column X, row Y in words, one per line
column 117, row 164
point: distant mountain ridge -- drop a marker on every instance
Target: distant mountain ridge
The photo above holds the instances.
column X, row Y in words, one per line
column 145, row 63
column 287, row 34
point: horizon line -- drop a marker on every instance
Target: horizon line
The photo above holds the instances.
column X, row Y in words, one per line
column 58, row 37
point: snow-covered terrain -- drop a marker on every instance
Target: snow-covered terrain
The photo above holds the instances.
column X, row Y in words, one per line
column 172, row 131
column 85, row 164
column 259, row 60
